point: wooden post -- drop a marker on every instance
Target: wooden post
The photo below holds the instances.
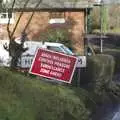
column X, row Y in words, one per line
column 78, row 80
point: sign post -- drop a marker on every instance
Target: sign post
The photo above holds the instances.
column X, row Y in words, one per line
column 53, row 65
column 81, row 63
column 78, row 81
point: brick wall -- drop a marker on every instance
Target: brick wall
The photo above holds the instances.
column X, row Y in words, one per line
column 39, row 23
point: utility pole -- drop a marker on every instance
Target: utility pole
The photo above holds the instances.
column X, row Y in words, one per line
column 101, row 26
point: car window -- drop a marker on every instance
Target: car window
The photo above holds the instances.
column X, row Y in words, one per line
column 53, row 48
column 67, row 50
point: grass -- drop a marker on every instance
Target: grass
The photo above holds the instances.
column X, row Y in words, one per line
column 25, row 98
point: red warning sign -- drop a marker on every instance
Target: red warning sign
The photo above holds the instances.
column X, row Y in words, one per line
column 53, row 65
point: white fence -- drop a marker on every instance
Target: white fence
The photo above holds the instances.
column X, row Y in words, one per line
column 25, row 61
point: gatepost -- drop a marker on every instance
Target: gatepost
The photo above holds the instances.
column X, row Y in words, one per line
column 81, row 63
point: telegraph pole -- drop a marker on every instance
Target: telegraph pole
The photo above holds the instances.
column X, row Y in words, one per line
column 101, row 26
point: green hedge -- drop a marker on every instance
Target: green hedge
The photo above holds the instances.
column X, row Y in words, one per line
column 98, row 74
column 116, row 54
column 25, row 98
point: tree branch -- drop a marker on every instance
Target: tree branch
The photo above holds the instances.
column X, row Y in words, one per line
column 8, row 25
column 32, row 15
column 6, row 47
column 19, row 19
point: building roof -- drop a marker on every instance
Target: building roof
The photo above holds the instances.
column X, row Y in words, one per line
column 49, row 4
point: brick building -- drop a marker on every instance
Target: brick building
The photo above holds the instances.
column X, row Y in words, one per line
column 70, row 16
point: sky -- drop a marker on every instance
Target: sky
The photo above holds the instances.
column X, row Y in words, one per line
column 109, row 1
column 105, row 1
column 112, row 1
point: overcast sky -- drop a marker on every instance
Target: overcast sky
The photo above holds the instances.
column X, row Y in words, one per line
column 109, row 1
column 112, row 1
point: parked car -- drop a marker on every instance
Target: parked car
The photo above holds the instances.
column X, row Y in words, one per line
column 27, row 57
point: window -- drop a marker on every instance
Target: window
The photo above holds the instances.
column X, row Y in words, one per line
column 53, row 48
column 62, row 49
column 67, row 50
column 57, row 17
column 4, row 18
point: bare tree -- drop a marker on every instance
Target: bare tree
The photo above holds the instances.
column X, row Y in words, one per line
column 15, row 50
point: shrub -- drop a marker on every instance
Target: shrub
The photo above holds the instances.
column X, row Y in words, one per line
column 58, row 35
column 25, row 98
column 99, row 72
